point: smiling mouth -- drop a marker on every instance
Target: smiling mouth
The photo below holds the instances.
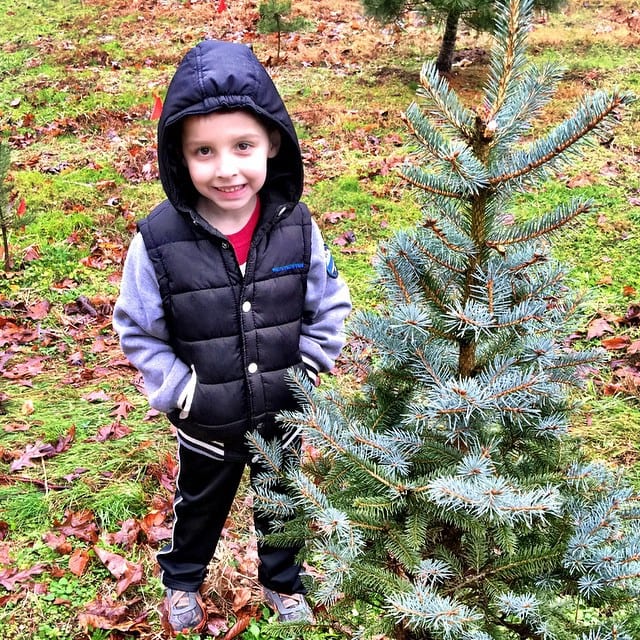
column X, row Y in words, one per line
column 233, row 189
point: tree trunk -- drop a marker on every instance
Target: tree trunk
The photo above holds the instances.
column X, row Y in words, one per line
column 5, row 246
column 448, row 45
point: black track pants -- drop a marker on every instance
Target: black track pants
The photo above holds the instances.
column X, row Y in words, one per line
column 205, row 490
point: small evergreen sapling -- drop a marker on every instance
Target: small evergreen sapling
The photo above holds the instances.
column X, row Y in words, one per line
column 274, row 19
column 446, row 493
column 11, row 216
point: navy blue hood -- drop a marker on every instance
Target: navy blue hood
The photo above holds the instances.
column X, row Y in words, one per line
column 216, row 76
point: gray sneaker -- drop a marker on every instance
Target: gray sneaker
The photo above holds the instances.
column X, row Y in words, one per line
column 184, row 612
column 290, row 608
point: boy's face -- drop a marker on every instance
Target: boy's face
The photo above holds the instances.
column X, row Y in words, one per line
column 226, row 154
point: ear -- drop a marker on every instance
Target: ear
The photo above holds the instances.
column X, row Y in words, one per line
column 275, row 139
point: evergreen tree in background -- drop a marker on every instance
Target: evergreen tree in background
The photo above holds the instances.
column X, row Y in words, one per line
column 477, row 14
column 446, row 493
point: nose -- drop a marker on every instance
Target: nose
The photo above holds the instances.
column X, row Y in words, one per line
column 225, row 165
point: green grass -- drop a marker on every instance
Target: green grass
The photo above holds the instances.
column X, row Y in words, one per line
column 27, row 21
column 368, row 219
column 109, row 478
column 600, row 248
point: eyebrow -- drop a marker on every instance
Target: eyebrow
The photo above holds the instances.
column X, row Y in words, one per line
column 207, row 141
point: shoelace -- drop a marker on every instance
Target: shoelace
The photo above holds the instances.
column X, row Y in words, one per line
column 291, row 601
column 180, row 600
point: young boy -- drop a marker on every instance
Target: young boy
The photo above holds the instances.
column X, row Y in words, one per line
column 227, row 285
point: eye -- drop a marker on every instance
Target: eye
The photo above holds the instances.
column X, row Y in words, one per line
column 203, row 151
column 244, row 146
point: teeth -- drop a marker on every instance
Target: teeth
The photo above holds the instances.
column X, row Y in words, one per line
column 230, row 189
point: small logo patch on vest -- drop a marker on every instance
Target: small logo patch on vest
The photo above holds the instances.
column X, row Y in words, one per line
column 332, row 270
column 288, row 267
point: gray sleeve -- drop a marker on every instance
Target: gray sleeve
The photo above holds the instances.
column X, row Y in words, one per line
column 138, row 318
column 327, row 305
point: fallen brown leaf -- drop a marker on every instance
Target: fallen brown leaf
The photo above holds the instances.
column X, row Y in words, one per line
column 126, row 572
column 104, row 613
column 78, row 562
column 113, row 431
column 79, row 524
column 615, row 342
column 240, row 626
column 58, row 542
column 122, row 409
column 11, row 577
column 634, row 347
column 41, row 449
column 39, row 310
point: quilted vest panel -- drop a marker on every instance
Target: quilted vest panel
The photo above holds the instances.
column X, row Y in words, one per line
column 240, row 333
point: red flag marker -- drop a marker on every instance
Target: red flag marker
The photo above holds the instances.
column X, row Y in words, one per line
column 22, row 207
column 157, row 108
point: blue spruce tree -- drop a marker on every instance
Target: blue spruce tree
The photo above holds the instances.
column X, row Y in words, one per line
column 446, row 493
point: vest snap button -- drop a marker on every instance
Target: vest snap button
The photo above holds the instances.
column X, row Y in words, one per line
column 225, row 245
column 252, row 368
column 246, row 306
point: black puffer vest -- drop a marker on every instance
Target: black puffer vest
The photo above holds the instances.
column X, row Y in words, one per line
column 241, row 334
